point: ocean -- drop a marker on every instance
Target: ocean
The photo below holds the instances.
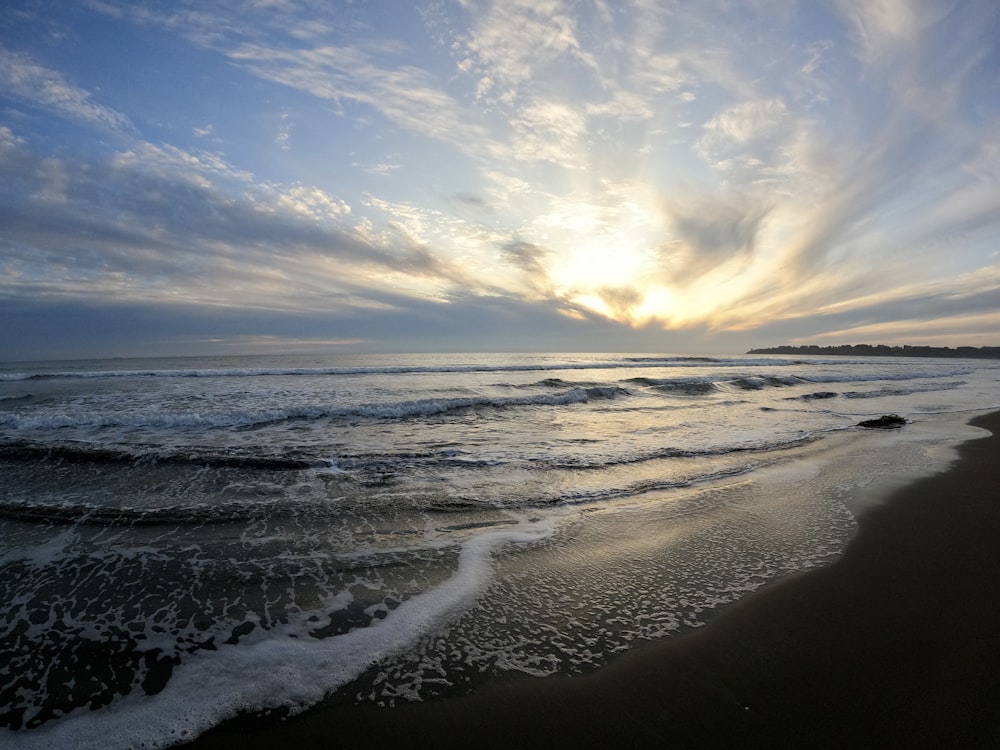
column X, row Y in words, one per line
column 184, row 540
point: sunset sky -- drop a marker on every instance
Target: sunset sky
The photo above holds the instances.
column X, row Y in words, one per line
column 696, row 176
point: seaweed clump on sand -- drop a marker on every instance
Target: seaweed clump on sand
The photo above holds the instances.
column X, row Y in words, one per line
column 885, row 422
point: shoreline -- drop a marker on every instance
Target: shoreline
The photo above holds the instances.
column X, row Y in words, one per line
column 894, row 644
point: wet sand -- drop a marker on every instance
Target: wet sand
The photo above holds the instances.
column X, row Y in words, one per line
column 894, row 645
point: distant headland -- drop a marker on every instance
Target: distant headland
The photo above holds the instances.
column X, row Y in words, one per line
column 881, row 350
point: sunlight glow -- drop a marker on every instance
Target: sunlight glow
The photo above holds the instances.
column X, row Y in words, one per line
column 659, row 303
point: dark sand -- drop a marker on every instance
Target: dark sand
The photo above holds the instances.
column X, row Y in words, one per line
column 894, row 645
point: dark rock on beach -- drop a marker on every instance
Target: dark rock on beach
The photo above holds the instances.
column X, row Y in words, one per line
column 885, row 422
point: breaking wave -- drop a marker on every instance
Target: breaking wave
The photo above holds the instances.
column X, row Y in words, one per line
column 399, row 410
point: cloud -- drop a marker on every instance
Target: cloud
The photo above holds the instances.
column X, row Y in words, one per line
column 533, row 261
column 966, row 307
column 510, row 44
column 548, row 131
column 22, row 77
column 49, row 327
column 752, row 135
column 284, row 136
column 383, row 168
column 709, row 232
column 406, row 95
column 309, row 201
column 888, row 28
column 154, row 223
column 745, row 122
column 620, row 302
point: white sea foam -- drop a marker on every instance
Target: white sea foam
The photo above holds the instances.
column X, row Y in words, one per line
column 288, row 670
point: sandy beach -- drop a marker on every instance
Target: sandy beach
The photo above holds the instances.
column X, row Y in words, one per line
column 894, row 645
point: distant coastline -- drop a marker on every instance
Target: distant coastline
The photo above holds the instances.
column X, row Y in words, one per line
column 881, row 350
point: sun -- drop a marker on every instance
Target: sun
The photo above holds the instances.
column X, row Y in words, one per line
column 603, row 258
column 658, row 303
column 598, row 262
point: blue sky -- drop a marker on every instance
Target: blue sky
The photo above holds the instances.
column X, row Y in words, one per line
column 228, row 177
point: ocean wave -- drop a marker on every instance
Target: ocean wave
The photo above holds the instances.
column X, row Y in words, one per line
column 253, row 458
column 605, row 391
column 653, row 485
column 885, row 392
column 706, row 385
column 681, row 386
column 713, row 361
column 756, row 383
column 79, row 452
column 860, row 377
column 927, row 388
column 359, row 466
column 668, row 452
column 398, row 410
column 17, row 399
column 75, row 512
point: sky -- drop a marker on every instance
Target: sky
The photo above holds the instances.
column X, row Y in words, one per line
column 239, row 176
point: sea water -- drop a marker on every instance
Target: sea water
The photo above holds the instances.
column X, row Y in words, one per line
column 183, row 540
